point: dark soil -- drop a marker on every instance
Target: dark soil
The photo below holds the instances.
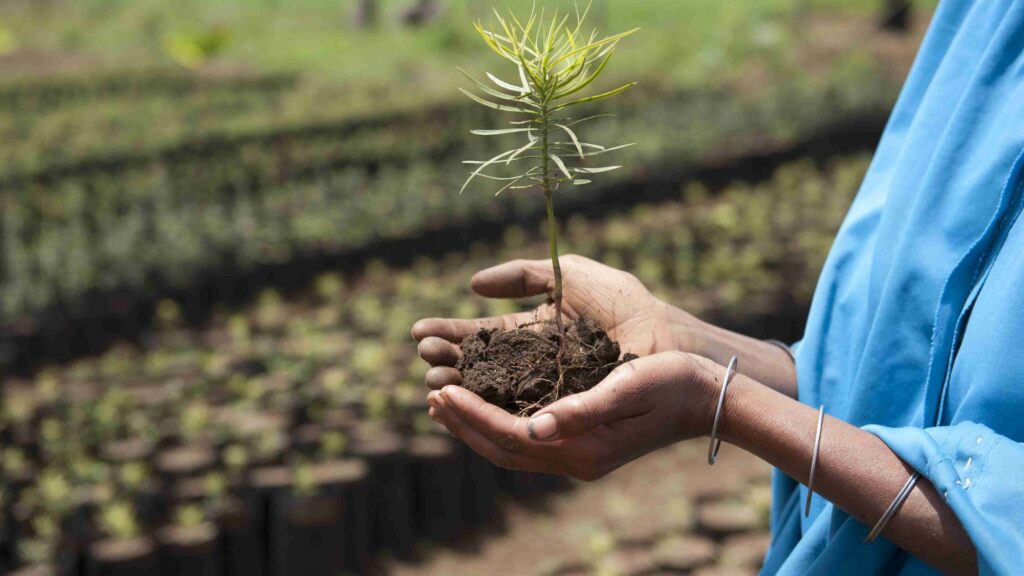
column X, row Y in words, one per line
column 517, row 369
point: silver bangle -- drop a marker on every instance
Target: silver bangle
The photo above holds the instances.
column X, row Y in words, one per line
column 814, row 460
column 893, row 508
column 730, row 371
column 785, row 347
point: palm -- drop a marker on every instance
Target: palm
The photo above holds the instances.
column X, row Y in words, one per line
column 616, row 300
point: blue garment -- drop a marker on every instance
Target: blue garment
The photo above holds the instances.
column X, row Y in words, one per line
column 916, row 332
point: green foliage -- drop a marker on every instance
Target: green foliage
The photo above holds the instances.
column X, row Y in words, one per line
column 168, row 313
column 139, row 182
column 685, row 249
column 304, row 481
column 216, row 486
column 41, row 547
column 7, row 40
column 555, row 63
column 133, row 475
column 189, row 516
column 195, row 419
column 264, row 38
column 236, row 458
column 55, row 491
column 13, row 461
column 193, row 50
column 329, row 287
column 269, row 443
column 155, row 221
column 118, row 519
column 333, row 445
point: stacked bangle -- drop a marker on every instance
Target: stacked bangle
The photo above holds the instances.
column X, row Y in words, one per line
column 716, row 443
column 890, row 512
column 893, row 508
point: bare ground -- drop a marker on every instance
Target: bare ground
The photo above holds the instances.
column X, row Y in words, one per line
column 612, row 524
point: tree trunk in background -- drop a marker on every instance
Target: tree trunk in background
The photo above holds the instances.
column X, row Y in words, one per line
column 365, row 15
column 896, row 15
column 422, row 12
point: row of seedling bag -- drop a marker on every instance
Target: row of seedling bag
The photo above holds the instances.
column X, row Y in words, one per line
column 328, row 499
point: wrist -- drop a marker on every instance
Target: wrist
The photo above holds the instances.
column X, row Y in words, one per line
column 765, row 362
column 689, row 333
column 695, row 336
column 754, row 416
column 735, row 424
column 707, row 379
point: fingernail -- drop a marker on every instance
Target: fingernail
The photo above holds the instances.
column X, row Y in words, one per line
column 450, row 392
column 543, row 427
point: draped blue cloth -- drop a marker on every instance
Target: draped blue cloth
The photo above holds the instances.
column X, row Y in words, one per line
column 916, row 332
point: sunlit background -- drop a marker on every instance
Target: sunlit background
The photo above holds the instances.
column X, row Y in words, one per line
column 219, row 219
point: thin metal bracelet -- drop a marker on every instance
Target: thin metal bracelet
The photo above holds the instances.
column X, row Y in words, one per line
column 893, row 508
column 716, row 443
column 785, row 347
column 814, row 460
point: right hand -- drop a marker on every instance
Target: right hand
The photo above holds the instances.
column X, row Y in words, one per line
column 619, row 303
column 641, row 406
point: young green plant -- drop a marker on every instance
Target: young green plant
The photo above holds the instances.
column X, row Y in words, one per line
column 554, row 62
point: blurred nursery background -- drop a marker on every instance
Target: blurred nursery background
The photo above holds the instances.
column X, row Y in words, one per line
column 219, row 219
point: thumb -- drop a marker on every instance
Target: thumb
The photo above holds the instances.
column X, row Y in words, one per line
column 515, row 279
column 578, row 414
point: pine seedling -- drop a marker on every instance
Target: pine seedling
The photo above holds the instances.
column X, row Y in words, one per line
column 555, row 63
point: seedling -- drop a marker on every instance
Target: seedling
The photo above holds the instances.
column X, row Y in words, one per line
column 304, row 482
column 41, row 546
column 194, row 420
column 133, row 475
column 54, row 492
column 216, row 486
column 14, row 463
column 379, row 404
column 554, row 63
column 118, row 519
column 333, row 445
column 236, row 459
column 269, row 444
column 189, row 516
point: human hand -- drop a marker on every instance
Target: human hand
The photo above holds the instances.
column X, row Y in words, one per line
column 641, row 406
column 616, row 300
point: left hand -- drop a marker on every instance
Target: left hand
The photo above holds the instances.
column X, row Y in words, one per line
column 641, row 406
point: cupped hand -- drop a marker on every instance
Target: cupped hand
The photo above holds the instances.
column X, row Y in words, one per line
column 641, row 406
column 616, row 300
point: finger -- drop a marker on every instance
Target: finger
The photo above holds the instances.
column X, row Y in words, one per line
column 494, row 423
column 441, row 376
column 479, row 443
column 614, row 398
column 454, row 330
column 439, row 352
column 433, row 400
column 515, row 279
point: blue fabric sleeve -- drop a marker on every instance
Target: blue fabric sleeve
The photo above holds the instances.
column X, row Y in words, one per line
column 981, row 476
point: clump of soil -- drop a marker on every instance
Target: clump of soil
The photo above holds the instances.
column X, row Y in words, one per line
column 517, row 369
